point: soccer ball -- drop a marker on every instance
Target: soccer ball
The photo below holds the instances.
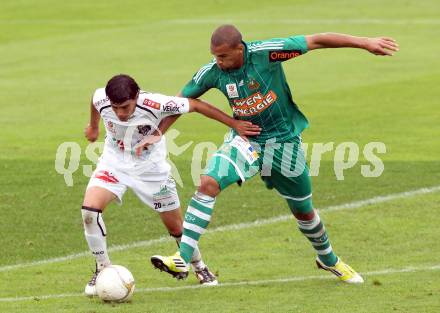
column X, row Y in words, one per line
column 115, row 283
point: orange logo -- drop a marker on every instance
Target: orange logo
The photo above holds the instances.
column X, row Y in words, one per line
column 151, row 104
column 283, row 55
column 254, row 104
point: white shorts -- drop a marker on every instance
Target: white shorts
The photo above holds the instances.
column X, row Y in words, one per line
column 158, row 194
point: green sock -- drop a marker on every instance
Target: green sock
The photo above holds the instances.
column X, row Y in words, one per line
column 197, row 219
column 315, row 232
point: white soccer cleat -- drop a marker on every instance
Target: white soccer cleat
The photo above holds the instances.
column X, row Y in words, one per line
column 343, row 271
column 206, row 277
column 90, row 290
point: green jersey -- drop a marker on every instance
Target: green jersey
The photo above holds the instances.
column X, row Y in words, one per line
column 258, row 91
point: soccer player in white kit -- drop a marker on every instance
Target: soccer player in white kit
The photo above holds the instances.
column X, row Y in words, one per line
column 131, row 117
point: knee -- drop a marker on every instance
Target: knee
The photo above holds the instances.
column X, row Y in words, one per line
column 303, row 210
column 175, row 231
column 97, row 198
column 305, row 216
column 94, row 204
column 209, row 186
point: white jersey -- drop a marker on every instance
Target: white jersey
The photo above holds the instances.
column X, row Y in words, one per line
column 122, row 137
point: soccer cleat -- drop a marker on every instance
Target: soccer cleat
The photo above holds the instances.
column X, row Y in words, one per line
column 343, row 271
column 205, row 277
column 173, row 265
column 90, row 290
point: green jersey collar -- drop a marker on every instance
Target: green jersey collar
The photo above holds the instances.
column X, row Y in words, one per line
column 245, row 54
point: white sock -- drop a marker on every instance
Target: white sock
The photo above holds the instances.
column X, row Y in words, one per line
column 95, row 233
column 197, row 263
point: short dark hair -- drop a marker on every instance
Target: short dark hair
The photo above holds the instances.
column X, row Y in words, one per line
column 121, row 88
column 226, row 34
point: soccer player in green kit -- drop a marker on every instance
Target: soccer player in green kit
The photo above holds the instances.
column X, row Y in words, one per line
column 251, row 76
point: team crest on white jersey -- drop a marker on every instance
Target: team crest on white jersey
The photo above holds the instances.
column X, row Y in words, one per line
column 144, row 129
column 232, row 90
column 110, row 127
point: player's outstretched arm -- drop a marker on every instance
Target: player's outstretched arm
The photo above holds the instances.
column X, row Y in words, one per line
column 166, row 122
column 377, row 45
column 244, row 128
column 92, row 129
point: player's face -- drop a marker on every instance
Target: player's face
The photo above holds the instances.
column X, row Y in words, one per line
column 124, row 110
column 228, row 58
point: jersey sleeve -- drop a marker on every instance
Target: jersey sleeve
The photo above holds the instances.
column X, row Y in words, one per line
column 100, row 99
column 297, row 43
column 166, row 105
column 281, row 49
column 200, row 82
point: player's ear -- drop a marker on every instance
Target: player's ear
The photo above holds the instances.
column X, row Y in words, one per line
column 137, row 95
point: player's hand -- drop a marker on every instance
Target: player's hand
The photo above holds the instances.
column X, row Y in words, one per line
column 381, row 46
column 145, row 142
column 91, row 133
column 245, row 128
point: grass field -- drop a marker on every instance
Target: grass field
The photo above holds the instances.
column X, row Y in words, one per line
column 53, row 56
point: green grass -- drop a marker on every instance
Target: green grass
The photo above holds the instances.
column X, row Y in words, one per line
column 54, row 55
column 290, row 257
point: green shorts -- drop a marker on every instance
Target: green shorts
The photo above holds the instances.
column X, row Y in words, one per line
column 282, row 166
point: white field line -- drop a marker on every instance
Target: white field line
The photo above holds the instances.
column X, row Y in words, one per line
column 410, row 269
column 257, row 223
